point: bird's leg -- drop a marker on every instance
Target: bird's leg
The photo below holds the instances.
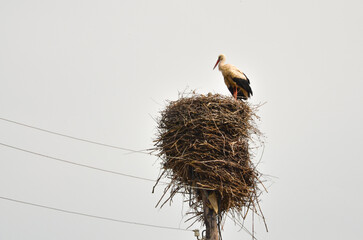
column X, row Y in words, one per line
column 235, row 93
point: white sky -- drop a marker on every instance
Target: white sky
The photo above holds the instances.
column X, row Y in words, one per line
column 101, row 70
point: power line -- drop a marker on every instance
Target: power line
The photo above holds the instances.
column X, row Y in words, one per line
column 92, row 216
column 75, row 138
column 91, row 167
column 88, row 141
column 77, row 164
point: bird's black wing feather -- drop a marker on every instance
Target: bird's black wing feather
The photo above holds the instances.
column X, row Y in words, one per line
column 245, row 84
column 246, row 78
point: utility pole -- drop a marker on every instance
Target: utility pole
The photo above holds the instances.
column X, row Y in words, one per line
column 210, row 220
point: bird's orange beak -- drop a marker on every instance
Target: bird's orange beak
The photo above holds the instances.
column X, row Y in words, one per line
column 216, row 63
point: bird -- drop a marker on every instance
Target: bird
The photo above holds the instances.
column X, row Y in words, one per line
column 237, row 82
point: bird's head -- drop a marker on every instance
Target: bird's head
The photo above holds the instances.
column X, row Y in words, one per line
column 220, row 58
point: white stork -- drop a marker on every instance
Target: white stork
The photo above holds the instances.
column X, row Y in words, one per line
column 237, row 82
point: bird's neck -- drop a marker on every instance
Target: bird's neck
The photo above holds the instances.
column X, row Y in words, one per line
column 221, row 64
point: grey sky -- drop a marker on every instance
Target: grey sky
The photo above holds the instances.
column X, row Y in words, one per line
column 102, row 69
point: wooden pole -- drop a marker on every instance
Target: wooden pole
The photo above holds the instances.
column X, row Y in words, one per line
column 210, row 219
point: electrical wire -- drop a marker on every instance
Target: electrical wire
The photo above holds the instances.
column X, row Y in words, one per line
column 76, row 138
column 78, row 164
column 88, row 141
column 91, row 216
column 91, row 167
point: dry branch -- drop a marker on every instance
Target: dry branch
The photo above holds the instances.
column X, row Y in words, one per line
column 204, row 143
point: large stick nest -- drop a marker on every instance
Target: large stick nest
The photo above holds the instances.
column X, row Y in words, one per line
column 204, row 143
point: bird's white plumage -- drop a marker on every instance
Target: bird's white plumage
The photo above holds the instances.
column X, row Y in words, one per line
column 229, row 70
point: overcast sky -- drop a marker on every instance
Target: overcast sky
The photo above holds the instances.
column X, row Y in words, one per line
column 102, row 70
